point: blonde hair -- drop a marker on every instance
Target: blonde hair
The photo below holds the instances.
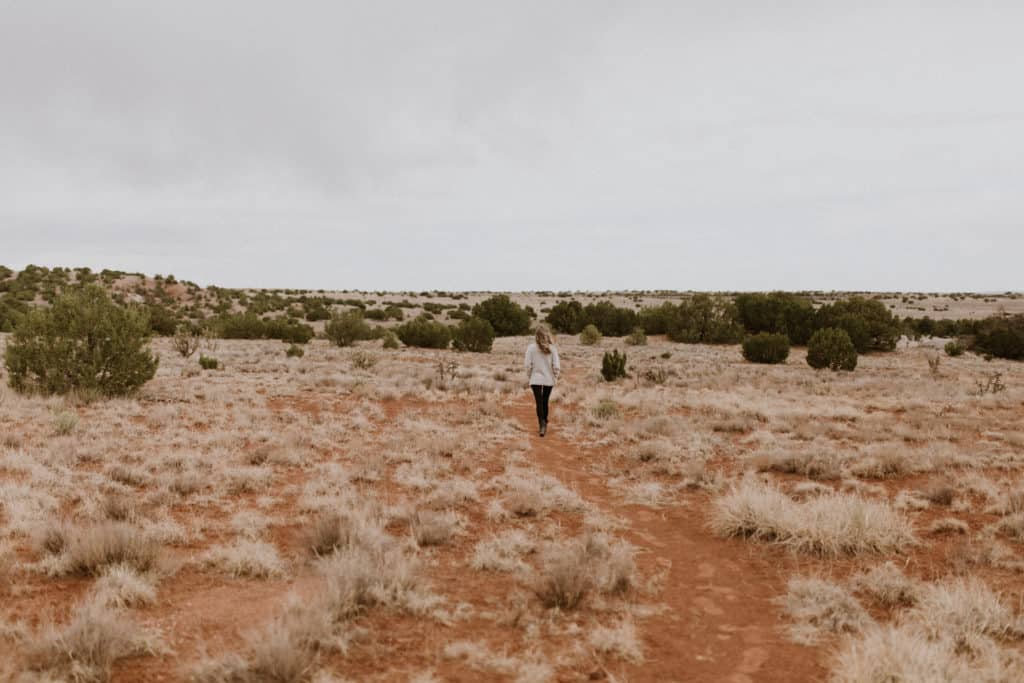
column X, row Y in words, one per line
column 543, row 339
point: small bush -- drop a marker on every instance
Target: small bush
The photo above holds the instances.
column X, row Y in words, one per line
column 361, row 360
column 565, row 578
column 831, row 348
column 89, row 550
column 613, row 365
column 606, row 409
column 87, row 647
column 506, row 316
column 346, row 328
column 830, row 525
column 433, row 528
column 208, row 362
column 295, row 351
column 765, row 347
column 390, row 340
column 590, row 335
column 64, row 422
column 84, row 342
column 637, row 337
column 424, row 333
column 954, row 349
column 473, row 334
column 186, row 341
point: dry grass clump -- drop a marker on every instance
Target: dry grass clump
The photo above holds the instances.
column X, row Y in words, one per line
column 120, row 586
column 503, row 552
column 887, row 585
column 247, row 479
column 948, row 525
column 819, row 607
column 898, row 653
column 333, row 531
column 605, row 409
column 430, row 527
column 887, row 464
column 964, row 608
column 647, row 493
column 87, row 647
column 119, row 507
column 564, row 578
column 1012, row 526
column 940, row 494
column 127, row 475
column 811, row 465
column 528, row 494
column 246, row 557
column 569, row 571
column 361, row 578
column 88, row 550
column 830, row 525
column 530, row 668
column 284, row 651
column 952, row 634
column 1006, row 503
column 612, row 563
column 7, row 560
column 620, row 640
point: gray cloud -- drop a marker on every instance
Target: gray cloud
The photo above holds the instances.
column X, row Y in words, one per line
column 517, row 145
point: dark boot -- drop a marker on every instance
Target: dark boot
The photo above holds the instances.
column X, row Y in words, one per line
column 543, row 427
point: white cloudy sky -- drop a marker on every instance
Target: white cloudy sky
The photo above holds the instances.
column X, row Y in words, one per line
column 517, row 144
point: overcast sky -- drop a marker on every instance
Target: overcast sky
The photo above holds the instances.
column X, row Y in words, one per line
column 517, row 145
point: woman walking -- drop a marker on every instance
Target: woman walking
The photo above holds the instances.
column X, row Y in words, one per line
column 542, row 368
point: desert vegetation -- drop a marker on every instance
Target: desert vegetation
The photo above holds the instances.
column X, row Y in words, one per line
column 377, row 507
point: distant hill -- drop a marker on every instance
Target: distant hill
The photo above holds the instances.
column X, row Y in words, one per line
column 173, row 302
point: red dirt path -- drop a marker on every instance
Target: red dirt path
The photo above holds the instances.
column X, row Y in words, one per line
column 721, row 624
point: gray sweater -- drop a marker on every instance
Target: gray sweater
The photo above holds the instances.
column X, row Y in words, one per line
column 542, row 368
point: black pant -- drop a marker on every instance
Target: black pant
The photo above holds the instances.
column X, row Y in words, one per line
column 541, row 394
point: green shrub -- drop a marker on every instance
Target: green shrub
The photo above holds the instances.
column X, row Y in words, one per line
column 424, row 333
column 590, row 335
column 954, row 348
column 288, row 330
column 566, row 317
column 473, row 334
column 294, row 351
column 654, row 320
column 1001, row 337
column 777, row 313
column 831, row 348
column 613, row 365
column 390, row 340
column 609, row 318
column 870, row 325
column 84, row 342
column 316, row 310
column 162, row 322
column 764, row 347
column 637, row 337
column 506, row 316
column 705, row 320
column 344, row 329
column 208, row 362
column 241, row 326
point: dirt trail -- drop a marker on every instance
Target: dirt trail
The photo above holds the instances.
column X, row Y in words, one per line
column 721, row 624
